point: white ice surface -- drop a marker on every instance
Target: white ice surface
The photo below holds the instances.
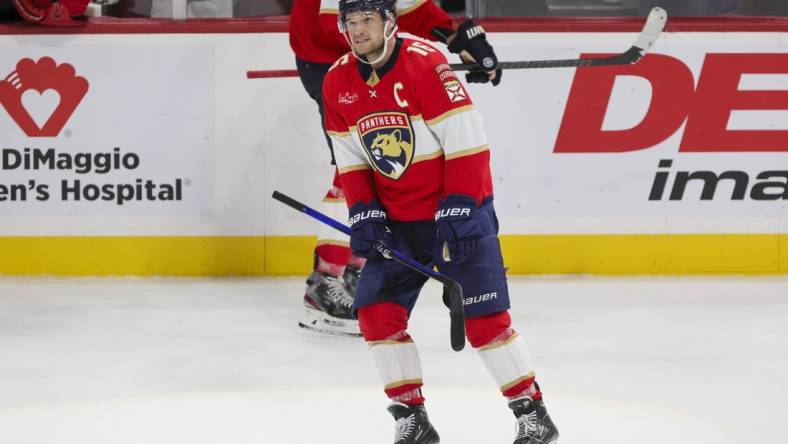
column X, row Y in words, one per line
column 164, row 361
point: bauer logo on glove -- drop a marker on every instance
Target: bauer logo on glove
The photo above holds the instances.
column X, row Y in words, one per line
column 369, row 228
column 459, row 229
column 457, row 211
column 370, row 214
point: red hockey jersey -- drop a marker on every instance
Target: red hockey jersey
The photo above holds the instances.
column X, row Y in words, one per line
column 314, row 35
column 406, row 134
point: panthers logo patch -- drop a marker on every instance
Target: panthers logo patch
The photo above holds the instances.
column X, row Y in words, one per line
column 388, row 140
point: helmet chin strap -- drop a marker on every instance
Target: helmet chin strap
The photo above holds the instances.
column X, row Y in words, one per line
column 386, row 39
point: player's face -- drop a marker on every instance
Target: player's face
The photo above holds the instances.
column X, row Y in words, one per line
column 365, row 30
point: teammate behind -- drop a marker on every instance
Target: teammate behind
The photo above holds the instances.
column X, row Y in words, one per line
column 414, row 164
column 317, row 43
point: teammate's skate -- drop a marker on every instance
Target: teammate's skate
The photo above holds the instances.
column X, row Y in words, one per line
column 534, row 425
column 328, row 306
column 350, row 277
column 412, row 426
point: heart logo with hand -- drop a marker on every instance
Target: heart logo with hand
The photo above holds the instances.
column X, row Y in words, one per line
column 41, row 96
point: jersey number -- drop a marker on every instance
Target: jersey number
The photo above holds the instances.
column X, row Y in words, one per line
column 420, row 48
column 342, row 61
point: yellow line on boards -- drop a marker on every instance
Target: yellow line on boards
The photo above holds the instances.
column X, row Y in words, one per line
column 646, row 254
column 292, row 255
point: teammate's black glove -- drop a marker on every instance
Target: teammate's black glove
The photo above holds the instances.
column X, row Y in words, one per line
column 459, row 230
column 369, row 225
column 470, row 42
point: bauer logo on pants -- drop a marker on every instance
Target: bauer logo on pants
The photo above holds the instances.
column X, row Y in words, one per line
column 41, row 96
column 388, row 140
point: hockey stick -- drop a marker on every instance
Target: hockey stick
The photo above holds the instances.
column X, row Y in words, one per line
column 271, row 73
column 655, row 23
column 453, row 288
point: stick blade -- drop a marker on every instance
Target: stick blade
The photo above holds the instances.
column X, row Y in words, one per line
column 456, row 312
column 655, row 23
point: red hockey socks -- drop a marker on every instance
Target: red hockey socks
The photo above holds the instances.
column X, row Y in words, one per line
column 332, row 252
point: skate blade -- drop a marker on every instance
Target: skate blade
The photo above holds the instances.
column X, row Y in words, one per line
column 328, row 331
column 320, row 322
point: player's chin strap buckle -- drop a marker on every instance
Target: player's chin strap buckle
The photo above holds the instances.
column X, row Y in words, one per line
column 382, row 249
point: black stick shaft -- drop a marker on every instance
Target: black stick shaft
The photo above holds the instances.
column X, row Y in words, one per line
column 632, row 55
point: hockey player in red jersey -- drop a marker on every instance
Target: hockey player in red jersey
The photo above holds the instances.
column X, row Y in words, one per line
column 317, row 43
column 52, row 12
column 414, row 164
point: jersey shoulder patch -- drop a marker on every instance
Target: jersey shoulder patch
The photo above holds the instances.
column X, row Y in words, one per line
column 436, row 77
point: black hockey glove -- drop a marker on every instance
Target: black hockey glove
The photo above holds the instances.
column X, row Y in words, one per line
column 369, row 225
column 459, row 230
column 470, row 42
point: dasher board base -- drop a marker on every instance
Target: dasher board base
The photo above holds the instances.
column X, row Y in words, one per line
column 292, row 255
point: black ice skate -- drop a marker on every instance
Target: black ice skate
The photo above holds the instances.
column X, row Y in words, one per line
column 413, row 426
column 328, row 306
column 534, row 425
column 350, row 277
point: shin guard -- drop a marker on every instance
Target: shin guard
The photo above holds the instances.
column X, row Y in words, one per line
column 396, row 356
column 504, row 353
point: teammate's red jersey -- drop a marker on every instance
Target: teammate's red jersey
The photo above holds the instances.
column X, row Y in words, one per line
column 406, row 134
column 314, row 35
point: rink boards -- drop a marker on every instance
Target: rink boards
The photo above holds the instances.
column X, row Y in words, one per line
column 143, row 149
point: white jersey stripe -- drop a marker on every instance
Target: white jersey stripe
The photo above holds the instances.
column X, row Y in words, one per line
column 468, row 152
column 447, row 114
column 346, row 153
column 353, row 154
column 459, row 132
